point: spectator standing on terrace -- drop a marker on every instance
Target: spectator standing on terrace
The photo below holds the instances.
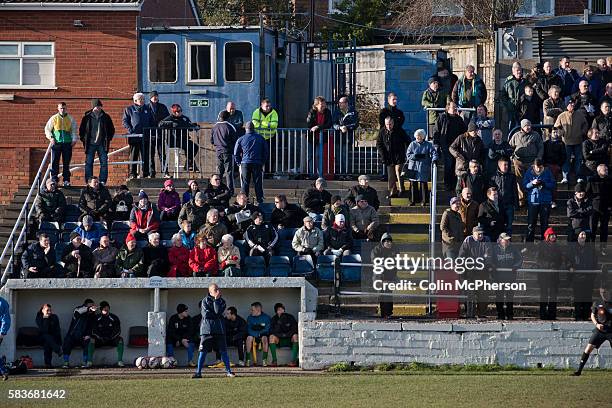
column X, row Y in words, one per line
column 61, row 130
column 159, row 111
column 318, row 120
column 96, row 133
column 433, row 97
column 476, row 246
column 491, row 215
column 505, row 256
column 552, row 107
column 539, row 185
column 251, row 154
column 554, row 158
column 345, row 122
column 499, row 148
column 530, row 105
column 465, row 148
column 594, row 84
column 391, row 144
column 95, row 200
column 528, row 146
column 583, row 257
column 419, row 157
column 485, row 125
column 550, row 255
column 469, row 92
column 595, row 151
column 511, row 94
column 506, row 185
column 264, row 122
column 468, row 208
column 180, row 127
column 599, row 191
column 138, row 119
column 579, row 211
column 50, row 204
column 586, row 101
column 473, row 180
column 223, row 138
column 603, row 122
column 452, row 229
column 574, row 124
column 235, row 117
column 448, row 127
column 546, row 80
column 568, row 76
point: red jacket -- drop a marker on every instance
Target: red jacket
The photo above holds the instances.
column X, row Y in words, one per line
column 179, row 262
column 140, row 219
column 205, row 259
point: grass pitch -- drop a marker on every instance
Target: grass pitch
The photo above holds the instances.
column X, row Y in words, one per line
column 425, row 389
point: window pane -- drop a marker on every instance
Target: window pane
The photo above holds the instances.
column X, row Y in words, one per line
column 268, row 69
column 162, row 62
column 543, row 6
column 9, row 72
column 526, row 8
column 238, row 63
column 200, row 66
column 30, row 49
column 8, row 49
column 38, row 72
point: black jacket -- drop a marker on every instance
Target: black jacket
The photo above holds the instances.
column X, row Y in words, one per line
column 369, row 194
column 236, row 330
column 392, row 145
column 311, row 119
column 159, row 112
column 393, row 112
column 212, row 316
column 179, row 329
column 217, row 197
column 599, row 191
column 35, row 256
column 106, row 127
column 81, row 323
column 315, row 201
column 155, row 260
column 579, row 213
column 496, row 152
column 264, row 235
column 181, row 122
column 50, row 204
column 120, row 199
column 554, row 152
column 447, row 129
column 530, row 108
column 506, row 187
column 49, row 326
column 238, row 223
column 223, row 137
column 544, row 82
column 71, row 263
column 284, row 326
column 492, row 220
column 95, row 202
column 603, row 123
column 292, row 216
column 106, row 327
column 475, row 182
column 595, row 152
column 338, row 239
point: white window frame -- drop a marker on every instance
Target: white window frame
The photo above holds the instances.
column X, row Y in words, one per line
column 331, row 6
column 608, row 7
column 252, row 62
column 21, row 57
column 175, row 61
column 213, row 63
column 444, row 14
column 534, row 12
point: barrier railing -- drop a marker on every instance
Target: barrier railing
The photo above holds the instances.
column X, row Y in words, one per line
column 21, row 223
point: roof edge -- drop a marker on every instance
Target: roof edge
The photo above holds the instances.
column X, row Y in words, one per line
column 71, row 6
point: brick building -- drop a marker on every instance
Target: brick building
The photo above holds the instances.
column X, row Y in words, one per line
column 56, row 51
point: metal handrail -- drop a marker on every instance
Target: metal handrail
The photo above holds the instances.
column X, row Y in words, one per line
column 35, row 185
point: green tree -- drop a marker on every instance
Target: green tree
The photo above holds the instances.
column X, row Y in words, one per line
column 356, row 19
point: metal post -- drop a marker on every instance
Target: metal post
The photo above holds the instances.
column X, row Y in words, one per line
column 432, row 229
column 337, row 277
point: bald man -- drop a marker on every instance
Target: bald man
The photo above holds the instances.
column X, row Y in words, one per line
column 212, row 330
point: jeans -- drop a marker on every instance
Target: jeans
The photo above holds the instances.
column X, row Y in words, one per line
column 576, row 150
column 255, row 171
column 509, row 218
column 64, row 150
column 89, row 160
column 225, row 166
column 533, row 212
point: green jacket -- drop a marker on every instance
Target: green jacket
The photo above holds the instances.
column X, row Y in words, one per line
column 264, row 124
column 48, row 202
column 511, row 93
column 433, row 100
column 132, row 261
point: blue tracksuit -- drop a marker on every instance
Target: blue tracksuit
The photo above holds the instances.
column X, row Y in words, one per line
column 258, row 326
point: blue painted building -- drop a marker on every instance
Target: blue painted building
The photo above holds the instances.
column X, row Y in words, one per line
column 406, row 73
column 201, row 68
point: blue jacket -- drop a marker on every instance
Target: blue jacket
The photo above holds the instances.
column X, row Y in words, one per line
column 223, row 137
column 136, row 118
column 568, row 79
column 5, row 317
column 596, row 87
column 93, row 235
column 349, row 119
column 212, row 316
column 419, row 157
column 540, row 194
column 259, row 325
column 251, row 149
column 188, row 240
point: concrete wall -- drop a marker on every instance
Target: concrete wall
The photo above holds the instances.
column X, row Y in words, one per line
column 557, row 344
